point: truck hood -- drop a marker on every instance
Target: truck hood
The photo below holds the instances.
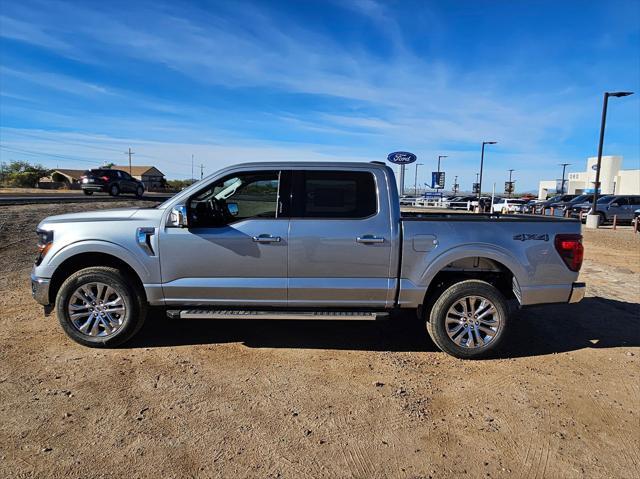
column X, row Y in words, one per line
column 116, row 214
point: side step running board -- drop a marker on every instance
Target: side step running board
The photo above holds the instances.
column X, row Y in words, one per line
column 284, row 315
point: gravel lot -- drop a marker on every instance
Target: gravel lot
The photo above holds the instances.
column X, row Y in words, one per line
column 322, row 399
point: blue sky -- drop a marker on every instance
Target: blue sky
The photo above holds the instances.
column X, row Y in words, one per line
column 230, row 82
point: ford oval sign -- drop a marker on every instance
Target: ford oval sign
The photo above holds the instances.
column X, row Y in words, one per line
column 401, row 157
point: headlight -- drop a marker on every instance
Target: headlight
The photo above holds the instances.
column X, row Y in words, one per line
column 45, row 240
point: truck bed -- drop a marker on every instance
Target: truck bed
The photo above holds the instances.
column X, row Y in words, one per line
column 441, row 216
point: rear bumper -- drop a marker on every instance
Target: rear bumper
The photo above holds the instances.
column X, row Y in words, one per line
column 577, row 292
column 93, row 187
column 40, row 289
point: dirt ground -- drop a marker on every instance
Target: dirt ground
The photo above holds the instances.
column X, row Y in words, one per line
column 323, row 399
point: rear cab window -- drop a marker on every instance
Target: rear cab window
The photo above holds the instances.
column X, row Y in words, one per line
column 334, row 194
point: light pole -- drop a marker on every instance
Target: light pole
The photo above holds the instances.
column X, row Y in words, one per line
column 510, row 187
column 593, row 223
column 415, row 180
column 481, row 166
column 564, row 167
column 455, row 185
column 439, row 157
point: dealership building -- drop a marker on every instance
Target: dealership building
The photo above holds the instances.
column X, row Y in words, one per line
column 613, row 179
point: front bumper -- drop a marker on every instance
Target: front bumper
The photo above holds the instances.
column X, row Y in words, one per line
column 40, row 289
column 577, row 292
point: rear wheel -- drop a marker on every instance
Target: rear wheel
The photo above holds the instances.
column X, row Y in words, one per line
column 87, row 192
column 114, row 190
column 139, row 191
column 468, row 320
column 100, row 307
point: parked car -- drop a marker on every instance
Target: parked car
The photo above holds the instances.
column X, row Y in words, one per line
column 509, row 205
column 407, row 200
column 110, row 181
column 530, row 206
column 620, row 206
column 302, row 240
column 553, row 202
column 636, row 213
column 461, row 202
column 581, row 205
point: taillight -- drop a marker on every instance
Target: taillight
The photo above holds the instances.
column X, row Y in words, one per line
column 104, row 178
column 570, row 249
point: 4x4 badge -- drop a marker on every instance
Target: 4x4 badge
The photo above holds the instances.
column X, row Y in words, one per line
column 531, row 236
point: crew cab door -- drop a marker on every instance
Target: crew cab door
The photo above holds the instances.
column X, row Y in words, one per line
column 339, row 239
column 234, row 250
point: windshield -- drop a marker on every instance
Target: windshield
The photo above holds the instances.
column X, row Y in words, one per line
column 579, row 199
column 606, row 199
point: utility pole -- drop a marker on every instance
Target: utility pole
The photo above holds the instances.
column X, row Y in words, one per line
column 415, row 180
column 129, row 153
column 201, row 170
column 510, row 183
column 455, row 185
column 193, row 180
column 564, row 167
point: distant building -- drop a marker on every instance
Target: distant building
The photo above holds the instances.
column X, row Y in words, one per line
column 613, row 179
column 67, row 176
column 149, row 175
column 61, row 178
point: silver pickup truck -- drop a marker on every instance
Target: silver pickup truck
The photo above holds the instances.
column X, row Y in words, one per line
column 302, row 240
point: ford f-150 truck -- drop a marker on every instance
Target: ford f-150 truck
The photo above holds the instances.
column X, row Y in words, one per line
column 302, row 240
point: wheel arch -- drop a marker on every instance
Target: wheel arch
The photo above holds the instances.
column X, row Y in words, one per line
column 88, row 259
column 490, row 265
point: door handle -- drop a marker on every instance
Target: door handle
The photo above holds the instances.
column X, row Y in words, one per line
column 266, row 238
column 369, row 239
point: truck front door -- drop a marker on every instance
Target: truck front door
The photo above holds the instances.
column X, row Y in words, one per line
column 234, row 250
column 339, row 240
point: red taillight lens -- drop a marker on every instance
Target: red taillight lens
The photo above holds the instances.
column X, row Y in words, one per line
column 570, row 249
column 104, row 178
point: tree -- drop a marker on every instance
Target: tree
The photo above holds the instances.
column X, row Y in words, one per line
column 21, row 174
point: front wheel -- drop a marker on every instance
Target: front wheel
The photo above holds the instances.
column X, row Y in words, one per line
column 114, row 190
column 139, row 191
column 468, row 320
column 100, row 307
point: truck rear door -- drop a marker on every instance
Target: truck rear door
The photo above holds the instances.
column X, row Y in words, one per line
column 340, row 242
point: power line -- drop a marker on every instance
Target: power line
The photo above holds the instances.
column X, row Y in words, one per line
column 39, row 153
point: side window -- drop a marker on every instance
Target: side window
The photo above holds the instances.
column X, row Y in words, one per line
column 622, row 201
column 236, row 197
column 334, row 194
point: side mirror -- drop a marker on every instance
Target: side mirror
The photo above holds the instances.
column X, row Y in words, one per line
column 233, row 209
column 178, row 217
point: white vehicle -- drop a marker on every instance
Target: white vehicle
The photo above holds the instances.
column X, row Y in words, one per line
column 508, row 205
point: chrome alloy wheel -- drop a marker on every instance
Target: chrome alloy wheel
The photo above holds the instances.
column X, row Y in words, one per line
column 96, row 309
column 472, row 322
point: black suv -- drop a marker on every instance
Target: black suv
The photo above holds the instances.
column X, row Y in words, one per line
column 110, row 181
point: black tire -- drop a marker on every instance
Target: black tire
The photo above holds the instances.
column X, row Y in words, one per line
column 139, row 191
column 114, row 190
column 437, row 315
column 132, row 297
column 87, row 192
column 602, row 219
